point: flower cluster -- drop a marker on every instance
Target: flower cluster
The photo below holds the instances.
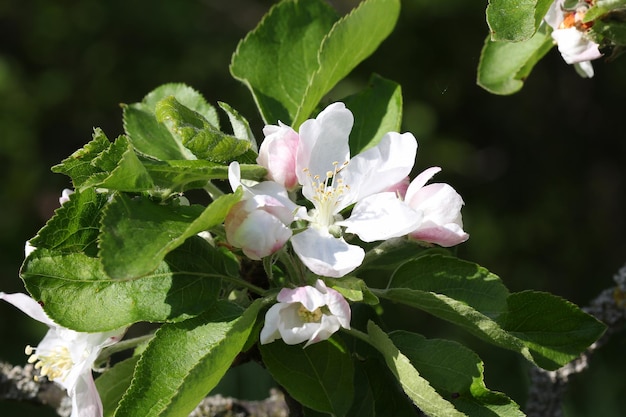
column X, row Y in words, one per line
column 368, row 195
column 571, row 35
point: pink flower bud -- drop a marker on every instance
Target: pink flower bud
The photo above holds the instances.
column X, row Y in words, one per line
column 258, row 225
column 278, row 154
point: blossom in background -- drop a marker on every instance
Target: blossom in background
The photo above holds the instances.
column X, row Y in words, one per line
column 278, row 154
column 332, row 182
column 571, row 36
column 259, row 223
column 65, row 196
column 306, row 313
column 66, row 356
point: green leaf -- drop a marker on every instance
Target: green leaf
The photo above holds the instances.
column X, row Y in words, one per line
column 137, row 233
column 75, row 225
column 198, row 135
column 378, row 392
column 515, row 20
column 352, row 39
column 354, row 289
column 153, row 139
column 241, row 127
column 78, row 166
column 319, row 376
column 414, row 385
column 456, row 373
column 184, row 361
column 300, row 51
column 473, row 298
column 377, row 110
column 504, row 66
column 613, row 31
column 277, row 59
column 120, row 168
column 112, row 385
column 78, row 294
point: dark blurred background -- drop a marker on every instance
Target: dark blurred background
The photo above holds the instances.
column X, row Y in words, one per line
column 542, row 172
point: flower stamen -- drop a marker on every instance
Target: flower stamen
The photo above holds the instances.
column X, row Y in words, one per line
column 55, row 365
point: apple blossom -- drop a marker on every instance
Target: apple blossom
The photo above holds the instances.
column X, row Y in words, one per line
column 332, row 182
column 306, row 313
column 571, row 36
column 440, row 208
column 259, row 223
column 278, row 154
column 66, row 356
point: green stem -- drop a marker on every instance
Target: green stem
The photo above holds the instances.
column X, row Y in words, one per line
column 212, row 190
column 120, row 346
column 358, row 334
column 242, row 282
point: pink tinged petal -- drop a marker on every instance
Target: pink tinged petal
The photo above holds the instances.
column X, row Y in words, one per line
column 419, row 182
column 400, row 187
column 439, row 202
column 325, row 254
column 324, row 329
column 65, row 196
column 446, row 235
column 337, row 305
column 278, row 154
column 323, row 140
column 380, row 167
column 381, row 216
column 28, row 306
column 309, row 297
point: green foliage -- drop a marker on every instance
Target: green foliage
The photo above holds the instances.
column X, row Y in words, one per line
column 319, row 376
column 471, row 297
column 515, row 20
column 292, row 59
column 112, row 385
column 184, row 361
column 504, row 66
column 152, row 231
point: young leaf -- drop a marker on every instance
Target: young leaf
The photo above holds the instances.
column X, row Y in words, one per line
column 456, row 373
column 352, row 39
column 153, row 139
column 504, row 66
column 198, row 135
column 377, row 110
column 113, row 384
column 77, row 293
column 241, row 127
column 74, row 226
column 120, row 168
column 278, row 58
column 471, row 297
column 137, row 234
column 184, row 361
column 319, row 376
column 515, row 20
column 78, row 166
column 414, row 385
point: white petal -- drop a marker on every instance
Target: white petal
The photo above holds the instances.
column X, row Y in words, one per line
column 269, row 333
column 311, row 298
column 574, row 45
column 85, row 398
column 380, row 167
column 324, row 330
column 28, row 306
column 325, row 254
column 420, row 181
column 380, row 217
column 584, row 69
column 234, row 175
column 323, row 140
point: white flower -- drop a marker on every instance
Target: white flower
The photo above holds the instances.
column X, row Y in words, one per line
column 65, row 196
column 571, row 36
column 259, row 223
column 66, row 356
column 306, row 313
column 333, row 182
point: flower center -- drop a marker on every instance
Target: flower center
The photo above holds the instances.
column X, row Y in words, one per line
column 54, row 364
column 328, row 192
column 309, row 316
